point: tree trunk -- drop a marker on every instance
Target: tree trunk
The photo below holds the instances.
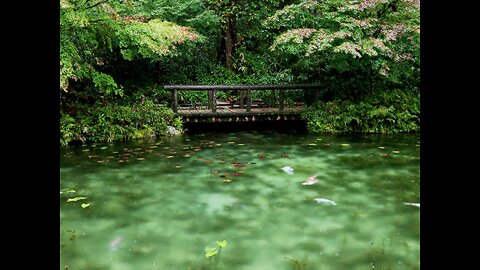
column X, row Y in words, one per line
column 230, row 40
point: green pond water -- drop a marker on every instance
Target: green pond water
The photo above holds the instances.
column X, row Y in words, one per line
column 158, row 204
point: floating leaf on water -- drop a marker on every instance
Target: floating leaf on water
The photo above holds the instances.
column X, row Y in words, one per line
column 312, row 144
column 67, row 191
column 170, row 156
column 381, row 147
column 218, row 144
column 383, row 155
column 178, row 166
column 396, row 152
column 319, row 139
column 344, row 144
column 227, row 180
column 209, row 252
column 231, row 142
column 140, row 158
column 241, row 144
column 76, row 199
column 222, row 243
column 186, row 155
column 85, row 205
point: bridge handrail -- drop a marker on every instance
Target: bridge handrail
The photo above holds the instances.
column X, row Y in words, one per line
column 212, row 98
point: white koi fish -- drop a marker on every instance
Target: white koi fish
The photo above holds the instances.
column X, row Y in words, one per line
column 324, row 201
column 310, row 181
column 115, row 243
column 288, row 169
column 412, row 204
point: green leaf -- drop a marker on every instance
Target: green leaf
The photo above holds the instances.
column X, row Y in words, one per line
column 209, row 252
column 76, row 199
column 222, row 243
column 85, row 205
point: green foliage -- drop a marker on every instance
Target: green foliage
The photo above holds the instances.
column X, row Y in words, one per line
column 151, row 40
column 116, row 122
column 374, row 41
column 390, row 112
column 92, row 33
column 215, row 252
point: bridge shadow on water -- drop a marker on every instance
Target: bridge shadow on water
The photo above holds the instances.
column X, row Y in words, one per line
column 284, row 126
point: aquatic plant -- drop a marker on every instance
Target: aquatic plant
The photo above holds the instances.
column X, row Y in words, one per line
column 211, row 252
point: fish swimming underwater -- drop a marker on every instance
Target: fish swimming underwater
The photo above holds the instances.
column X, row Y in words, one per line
column 288, row 169
column 412, row 204
column 324, row 201
column 115, row 243
column 310, row 181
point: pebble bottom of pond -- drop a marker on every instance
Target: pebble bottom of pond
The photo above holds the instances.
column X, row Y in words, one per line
column 242, row 200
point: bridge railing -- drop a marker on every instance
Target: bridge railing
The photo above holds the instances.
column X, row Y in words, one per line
column 212, row 99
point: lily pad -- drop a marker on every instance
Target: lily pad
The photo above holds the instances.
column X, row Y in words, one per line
column 222, row 243
column 209, row 252
column 67, row 191
column 76, row 199
column 85, row 205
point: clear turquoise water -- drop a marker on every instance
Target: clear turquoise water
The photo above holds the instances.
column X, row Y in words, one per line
column 158, row 204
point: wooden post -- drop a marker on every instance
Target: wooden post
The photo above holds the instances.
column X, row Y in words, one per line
column 214, row 101
column 210, row 99
column 249, row 100
column 174, row 101
column 282, row 96
column 241, row 97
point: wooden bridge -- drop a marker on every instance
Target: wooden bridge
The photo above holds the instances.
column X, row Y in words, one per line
column 243, row 109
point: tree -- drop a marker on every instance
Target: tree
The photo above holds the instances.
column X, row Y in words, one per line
column 91, row 32
column 357, row 45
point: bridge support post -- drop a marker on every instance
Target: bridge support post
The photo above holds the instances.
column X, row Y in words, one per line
column 249, row 100
column 281, row 101
column 212, row 100
column 174, row 101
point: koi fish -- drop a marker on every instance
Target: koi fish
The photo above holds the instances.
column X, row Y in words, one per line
column 288, row 169
column 412, row 204
column 310, row 181
column 115, row 243
column 325, row 201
